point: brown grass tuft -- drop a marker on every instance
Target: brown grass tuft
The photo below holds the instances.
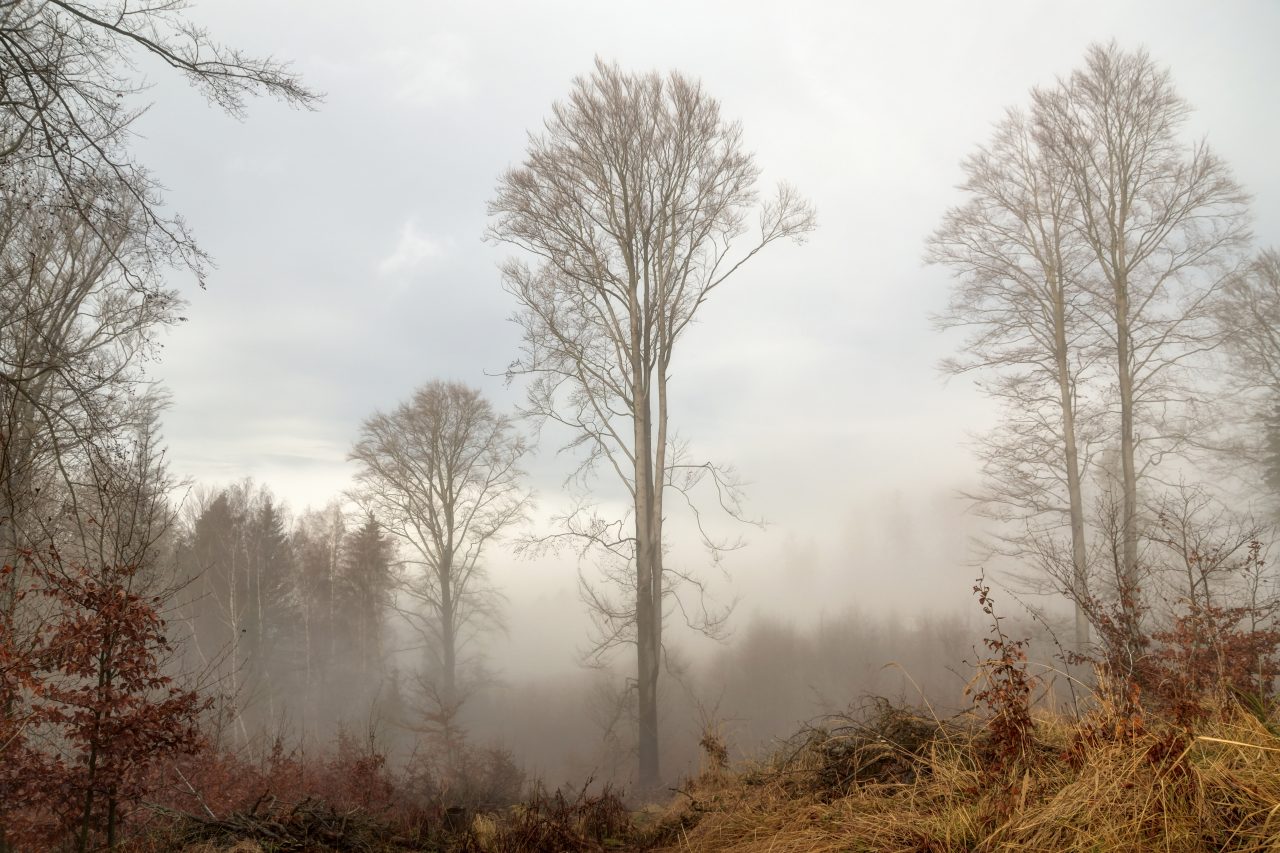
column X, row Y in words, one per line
column 906, row 782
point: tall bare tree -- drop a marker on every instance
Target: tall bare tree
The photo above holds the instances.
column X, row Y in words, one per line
column 1021, row 293
column 441, row 474
column 633, row 203
column 1164, row 222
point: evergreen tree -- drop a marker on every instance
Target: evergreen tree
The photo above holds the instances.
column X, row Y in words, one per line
column 364, row 592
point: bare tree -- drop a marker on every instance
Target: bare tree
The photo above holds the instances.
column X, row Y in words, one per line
column 1202, row 542
column 84, row 238
column 633, row 203
column 73, row 337
column 1164, row 222
column 68, row 320
column 68, row 91
column 1248, row 318
column 441, row 475
column 1021, row 293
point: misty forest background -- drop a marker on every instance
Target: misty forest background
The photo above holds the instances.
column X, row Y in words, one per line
column 530, row 572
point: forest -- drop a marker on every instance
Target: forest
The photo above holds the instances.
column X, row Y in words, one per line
column 198, row 664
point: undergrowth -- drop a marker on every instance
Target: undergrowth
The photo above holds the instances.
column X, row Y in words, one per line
column 1162, row 759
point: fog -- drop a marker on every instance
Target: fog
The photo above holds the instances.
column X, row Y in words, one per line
column 351, row 269
column 351, row 265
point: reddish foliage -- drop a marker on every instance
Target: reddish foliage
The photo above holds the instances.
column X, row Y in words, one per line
column 353, row 775
column 1219, row 641
column 1006, row 692
column 88, row 709
column 1210, row 653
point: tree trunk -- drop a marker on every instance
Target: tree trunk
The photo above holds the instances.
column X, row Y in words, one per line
column 1079, row 567
column 85, row 818
column 104, row 680
column 8, row 555
column 647, row 661
column 111, row 823
column 449, row 678
column 448, row 636
column 648, row 605
column 1129, row 507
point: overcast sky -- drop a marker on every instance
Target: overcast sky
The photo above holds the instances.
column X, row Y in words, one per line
column 351, row 265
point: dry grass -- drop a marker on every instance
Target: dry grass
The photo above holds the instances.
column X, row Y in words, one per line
column 887, row 779
column 1085, row 787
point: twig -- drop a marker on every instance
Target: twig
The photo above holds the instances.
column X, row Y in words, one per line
column 196, row 794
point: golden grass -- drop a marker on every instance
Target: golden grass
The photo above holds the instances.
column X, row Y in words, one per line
column 1161, row 790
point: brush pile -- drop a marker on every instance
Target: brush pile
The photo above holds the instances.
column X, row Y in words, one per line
column 882, row 744
column 577, row 822
column 310, row 825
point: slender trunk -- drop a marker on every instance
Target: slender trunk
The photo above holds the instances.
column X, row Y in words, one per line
column 105, row 679
column 448, row 636
column 8, row 592
column 1129, row 507
column 14, row 469
column 309, row 703
column 648, row 606
column 259, row 668
column 8, row 600
column 1079, row 566
column 330, row 652
column 4, row 832
column 647, row 661
column 450, row 686
column 236, row 617
column 87, row 815
column 656, row 575
column 111, row 822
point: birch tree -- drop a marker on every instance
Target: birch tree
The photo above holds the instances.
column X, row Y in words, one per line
column 632, row 206
column 1020, row 292
column 1164, row 222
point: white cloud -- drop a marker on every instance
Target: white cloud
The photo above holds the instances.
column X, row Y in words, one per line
column 413, row 249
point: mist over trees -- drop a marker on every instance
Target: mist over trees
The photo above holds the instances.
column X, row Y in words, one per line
column 168, row 648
